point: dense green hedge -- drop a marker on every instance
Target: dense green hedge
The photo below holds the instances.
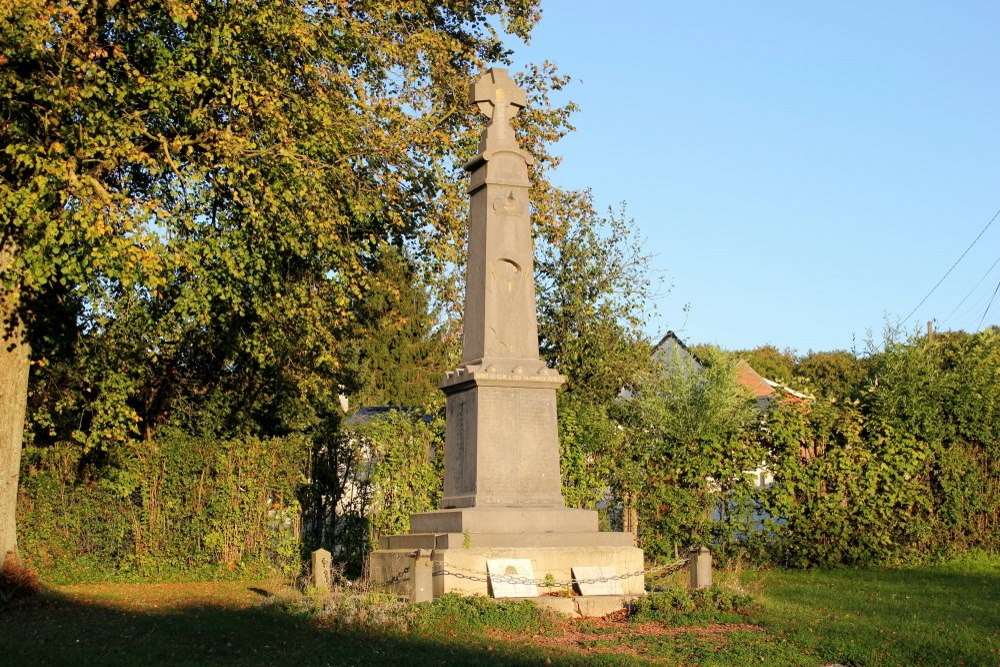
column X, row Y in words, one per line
column 907, row 471
column 179, row 504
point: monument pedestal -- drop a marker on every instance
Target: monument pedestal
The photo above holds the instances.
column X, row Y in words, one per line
column 460, row 541
column 463, row 569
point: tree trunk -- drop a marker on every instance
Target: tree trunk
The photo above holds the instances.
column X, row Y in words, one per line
column 14, row 364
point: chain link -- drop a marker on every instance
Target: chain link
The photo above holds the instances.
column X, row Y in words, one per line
column 478, row 575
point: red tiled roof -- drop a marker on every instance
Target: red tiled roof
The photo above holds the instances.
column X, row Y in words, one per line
column 752, row 380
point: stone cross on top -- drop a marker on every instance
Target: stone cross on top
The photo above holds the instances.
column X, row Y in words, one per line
column 498, row 97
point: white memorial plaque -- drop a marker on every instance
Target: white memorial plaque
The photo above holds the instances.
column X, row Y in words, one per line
column 600, row 580
column 512, row 578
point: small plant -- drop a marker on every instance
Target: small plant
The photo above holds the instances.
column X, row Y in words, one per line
column 351, row 606
column 466, row 539
column 550, row 580
column 477, row 612
column 675, row 604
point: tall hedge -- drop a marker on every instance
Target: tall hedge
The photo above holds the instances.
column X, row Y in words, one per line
column 906, row 473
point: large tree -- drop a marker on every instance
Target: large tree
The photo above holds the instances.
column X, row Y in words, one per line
column 203, row 189
column 593, row 300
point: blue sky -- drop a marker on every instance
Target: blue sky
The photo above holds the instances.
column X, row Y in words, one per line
column 802, row 171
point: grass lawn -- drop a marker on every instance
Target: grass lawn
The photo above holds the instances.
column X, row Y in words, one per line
column 944, row 615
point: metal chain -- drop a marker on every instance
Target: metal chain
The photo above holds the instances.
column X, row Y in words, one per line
column 399, row 576
column 478, row 575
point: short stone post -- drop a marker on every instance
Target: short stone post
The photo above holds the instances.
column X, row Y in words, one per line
column 422, row 571
column 322, row 567
column 701, row 567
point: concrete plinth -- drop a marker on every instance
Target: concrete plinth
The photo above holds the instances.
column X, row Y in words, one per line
column 463, row 570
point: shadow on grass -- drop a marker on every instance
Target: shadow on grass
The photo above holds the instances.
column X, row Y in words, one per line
column 53, row 629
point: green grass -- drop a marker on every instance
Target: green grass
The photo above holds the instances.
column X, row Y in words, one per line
column 942, row 615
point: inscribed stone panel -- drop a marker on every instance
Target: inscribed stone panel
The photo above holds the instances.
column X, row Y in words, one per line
column 512, row 578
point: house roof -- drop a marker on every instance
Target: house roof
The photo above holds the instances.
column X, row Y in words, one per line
column 746, row 376
column 762, row 388
column 672, row 342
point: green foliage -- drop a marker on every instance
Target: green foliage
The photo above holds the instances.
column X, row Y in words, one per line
column 182, row 504
column 594, row 292
column 369, row 479
column 355, row 608
column 475, row 613
column 684, row 449
column 395, row 352
column 836, row 375
column 586, row 435
column 207, row 203
column 769, row 361
column 677, row 605
column 906, row 474
column 202, row 198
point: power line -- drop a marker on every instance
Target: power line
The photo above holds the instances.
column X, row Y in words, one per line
column 969, row 293
column 952, row 267
column 988, row 306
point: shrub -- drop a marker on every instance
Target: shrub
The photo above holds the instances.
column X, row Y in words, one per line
column 178, row 504
column 17, row 581
column 675, row 604
column 477, row 612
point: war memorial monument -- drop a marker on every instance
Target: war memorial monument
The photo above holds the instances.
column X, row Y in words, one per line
column 502, row 504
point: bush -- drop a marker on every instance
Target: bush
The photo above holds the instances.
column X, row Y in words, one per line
column 907, row 474
column 476, row 612
column 675, row 604
column 369, row 479
column 17, row 581
column 174, row 505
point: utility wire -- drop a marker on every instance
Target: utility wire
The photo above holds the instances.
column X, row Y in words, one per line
column 952, row 267
column 988, row 306
column 969, row 293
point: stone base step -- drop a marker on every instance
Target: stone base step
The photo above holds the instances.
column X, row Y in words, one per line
column 513, row 540
column 505, row 520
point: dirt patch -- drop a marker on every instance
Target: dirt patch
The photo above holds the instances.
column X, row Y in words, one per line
column 614, row 634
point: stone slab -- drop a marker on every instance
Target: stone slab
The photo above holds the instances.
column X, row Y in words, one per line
column 511, row 578
column 322, row 569
column 701, row 567
column 505, row 520
column 502, row 447
column 392, row 569
column 461, row 540
column 598, row 580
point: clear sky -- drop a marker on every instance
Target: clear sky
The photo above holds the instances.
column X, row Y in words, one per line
column 802, row 171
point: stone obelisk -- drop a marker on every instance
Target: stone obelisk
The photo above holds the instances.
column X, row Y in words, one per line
column 502, row 445
column 502, row 488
